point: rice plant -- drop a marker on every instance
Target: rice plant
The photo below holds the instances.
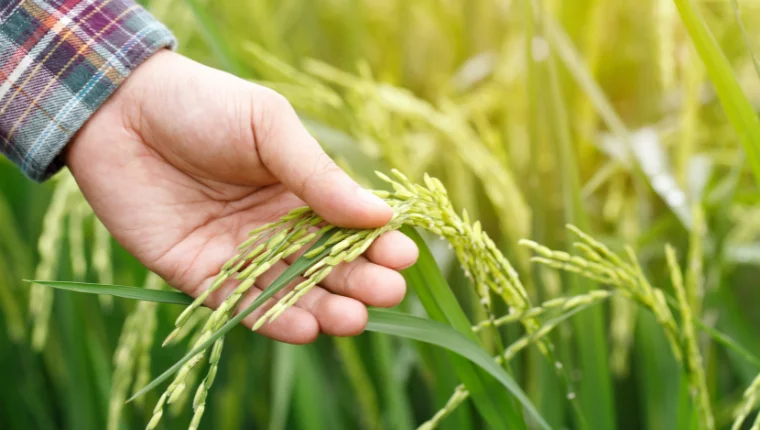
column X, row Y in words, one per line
column 634, row 121
column 426, row 207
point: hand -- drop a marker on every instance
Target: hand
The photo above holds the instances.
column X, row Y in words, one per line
column 183, row 160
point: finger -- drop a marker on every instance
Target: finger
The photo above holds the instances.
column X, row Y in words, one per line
column 371, row 284
column 374, row 283
column 295, row 325
column 294, row 157
column 336, row 315
column 393, row 249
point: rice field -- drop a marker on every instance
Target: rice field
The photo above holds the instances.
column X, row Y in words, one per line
column 582, row 178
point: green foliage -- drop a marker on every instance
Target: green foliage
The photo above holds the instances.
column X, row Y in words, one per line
column 632, row 120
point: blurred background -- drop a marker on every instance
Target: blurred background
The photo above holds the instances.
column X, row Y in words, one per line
column 534, row 114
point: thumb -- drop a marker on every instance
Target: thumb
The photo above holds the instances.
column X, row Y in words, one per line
column 294, row 157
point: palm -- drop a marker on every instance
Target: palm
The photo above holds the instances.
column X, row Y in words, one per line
column 184, row 229
column 180, row 188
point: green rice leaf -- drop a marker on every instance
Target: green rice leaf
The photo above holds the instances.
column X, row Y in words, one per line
column 439, row 334
column 135, row 293
column 175, row 297
column 738, row 108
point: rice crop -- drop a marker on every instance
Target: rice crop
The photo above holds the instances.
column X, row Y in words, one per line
column 581, row 178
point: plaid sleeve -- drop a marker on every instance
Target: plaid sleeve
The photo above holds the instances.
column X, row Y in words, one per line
column 59, row 61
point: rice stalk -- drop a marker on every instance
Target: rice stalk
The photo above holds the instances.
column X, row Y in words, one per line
column 694, row 76
column 695, row 280
column 426, row 206
column 67, row 215
column 49, row 247
column 497, row 180
column 482, row 263
column 600, row 264
column 594, row 38
column 604, row 266
column 147, row 334
column 560, row 303
column 623, row 315
column 751, row 400
column 376, row 109
column 267, row 245
column 457, row 398
column 461, row 394
column 694, row 362
column 666, row 38
column 76, row 217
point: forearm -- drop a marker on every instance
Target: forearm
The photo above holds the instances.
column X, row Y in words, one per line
column 59, row 62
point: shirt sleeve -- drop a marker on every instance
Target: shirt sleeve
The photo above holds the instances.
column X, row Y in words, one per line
column 59, row 61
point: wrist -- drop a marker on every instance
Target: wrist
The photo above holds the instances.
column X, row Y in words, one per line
column 122, row 111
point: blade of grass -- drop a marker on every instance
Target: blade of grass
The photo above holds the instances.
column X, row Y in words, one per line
column 175, row 297
column 439, row 334
column 733, row 99
column 135, row 293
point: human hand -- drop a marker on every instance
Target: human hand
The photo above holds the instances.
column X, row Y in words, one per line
column 183, row 160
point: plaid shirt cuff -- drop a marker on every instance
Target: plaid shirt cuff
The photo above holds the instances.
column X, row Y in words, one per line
column 59, row 61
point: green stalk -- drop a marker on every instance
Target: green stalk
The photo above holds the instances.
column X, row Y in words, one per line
column 361, row 383
column 551, row 397
column 595, row 389
column 283, row 377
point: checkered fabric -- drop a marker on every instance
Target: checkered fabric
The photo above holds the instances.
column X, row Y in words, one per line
column 59, row 61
